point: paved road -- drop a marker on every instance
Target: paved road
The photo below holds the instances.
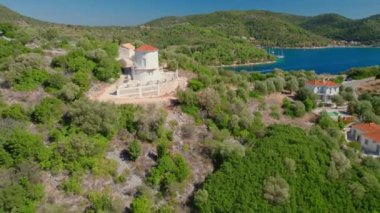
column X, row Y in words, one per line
column 356, row 83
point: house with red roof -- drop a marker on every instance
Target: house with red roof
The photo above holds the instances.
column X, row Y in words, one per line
column 142, row 75
column 140, row 64
column 324, row 89
column 368, row 135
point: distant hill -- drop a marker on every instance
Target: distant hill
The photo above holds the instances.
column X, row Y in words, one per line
column 256, row 27
column 267, row 28
column 280, row 29
column 338, row 27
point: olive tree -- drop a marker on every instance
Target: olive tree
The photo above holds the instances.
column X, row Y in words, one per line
column 276, row 190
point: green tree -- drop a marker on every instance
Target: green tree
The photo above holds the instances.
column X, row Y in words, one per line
column 48, row 111
column 107, row 69
column 94, row 117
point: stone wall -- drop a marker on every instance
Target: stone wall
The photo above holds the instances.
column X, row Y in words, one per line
column 149, row 89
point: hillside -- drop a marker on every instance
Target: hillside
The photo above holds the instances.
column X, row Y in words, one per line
column 366, row 31
column 279, row 29
column 205, row 45
column 7, row 15
column 266, row 28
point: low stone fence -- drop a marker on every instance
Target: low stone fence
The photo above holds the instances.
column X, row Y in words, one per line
column 149, row 89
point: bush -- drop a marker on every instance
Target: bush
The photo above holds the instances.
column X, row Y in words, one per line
column 196, row 85
column 100, row 202
column 338, row 100
column 72, row 185
column 16, row 112
column 187, row 131
column 107, row 69
column 169, row 170
column 55, row 82
column 134, row 150
column 261, row 87
column 141, row 204
column 276, row 190
column 31, row 79
column 70, row 92
column 94, row 117
column 48, row 111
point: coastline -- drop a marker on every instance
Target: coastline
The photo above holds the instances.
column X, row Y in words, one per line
column 325, row 47
column 247, row 64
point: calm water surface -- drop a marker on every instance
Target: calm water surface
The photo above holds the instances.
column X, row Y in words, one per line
column 328, row 60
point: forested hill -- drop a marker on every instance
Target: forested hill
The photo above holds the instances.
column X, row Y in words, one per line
column 279, row 29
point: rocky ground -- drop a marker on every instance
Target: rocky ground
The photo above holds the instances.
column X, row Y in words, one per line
column 189, row 147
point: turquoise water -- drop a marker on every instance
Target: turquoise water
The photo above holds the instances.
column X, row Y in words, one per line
column 327, row 60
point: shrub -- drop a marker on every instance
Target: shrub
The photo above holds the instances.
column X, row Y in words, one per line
column 141, row 204
column 338, row 100
column 134, row 150
column 31, row 79
column 100, row 202
column 107, row 69
column 196, row 85
column 261, row 87
column 94, row 117
column 48, row 111
column 72, row 185
column 276, row 190
column 187, row 131
column 70, row 92
column 16, row 112
column 55, row 82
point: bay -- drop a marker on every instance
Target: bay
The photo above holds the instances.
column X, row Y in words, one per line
column 322, row 60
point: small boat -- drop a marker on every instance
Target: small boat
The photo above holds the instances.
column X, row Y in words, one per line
column 282, row 56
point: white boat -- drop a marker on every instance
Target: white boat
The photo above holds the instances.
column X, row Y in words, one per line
column 282, row 56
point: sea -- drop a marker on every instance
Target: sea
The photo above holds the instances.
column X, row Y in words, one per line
column 320, row 60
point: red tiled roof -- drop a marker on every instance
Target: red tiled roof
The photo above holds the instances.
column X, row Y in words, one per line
column 370, row 130
column 375, row 136
column 146, row 48
column 322, row 83
column 367, row 127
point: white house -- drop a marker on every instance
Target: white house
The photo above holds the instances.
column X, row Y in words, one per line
column 143, row 77
column 368, row 135
column 146, row 64
column 324, row 89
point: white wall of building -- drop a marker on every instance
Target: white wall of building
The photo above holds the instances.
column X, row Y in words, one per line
column 324, row 92
column 147, row 60
column 147, row 67
column 367, row 144
column 146, row 75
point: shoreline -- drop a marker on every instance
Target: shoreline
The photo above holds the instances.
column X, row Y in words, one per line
column 247, row 64
column 326, row 47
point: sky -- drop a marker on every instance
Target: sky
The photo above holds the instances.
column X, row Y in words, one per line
column 135, row 12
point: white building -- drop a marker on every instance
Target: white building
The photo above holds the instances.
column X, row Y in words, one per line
column 368, row 135
column 146, row 64
column 324, row 89
column 144, row 78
